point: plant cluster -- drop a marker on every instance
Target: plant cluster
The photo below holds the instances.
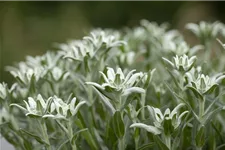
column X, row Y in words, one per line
column 136, row 88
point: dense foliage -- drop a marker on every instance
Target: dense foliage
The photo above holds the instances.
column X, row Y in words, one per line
column 139, row 88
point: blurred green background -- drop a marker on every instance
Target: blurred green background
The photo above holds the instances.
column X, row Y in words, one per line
column 32, row 28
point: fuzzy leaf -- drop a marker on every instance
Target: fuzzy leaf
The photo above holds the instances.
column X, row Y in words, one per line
column 195, row 91
column 160, row 143
column 209, row 91
column 148, row 128
column 168, row 127
column 200, row 137
column 39, row 139
column 20, row 107
column 146, row 146
column 118, row 124
column 133, row 90
column 76, row 134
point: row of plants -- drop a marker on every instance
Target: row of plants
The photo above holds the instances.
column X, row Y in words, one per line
column 135, row 88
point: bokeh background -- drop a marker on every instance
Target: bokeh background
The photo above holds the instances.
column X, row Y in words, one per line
column 32, row 28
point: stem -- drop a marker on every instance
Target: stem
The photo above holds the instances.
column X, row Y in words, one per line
column 70, row 132
column 168, row 141
column 90, row 90
column 143, row 96
column 121, row 144
column 201, row 108
column 118, row 102
column 198, row 148
column 14, row 122
column 45, row 134
column 136, row 138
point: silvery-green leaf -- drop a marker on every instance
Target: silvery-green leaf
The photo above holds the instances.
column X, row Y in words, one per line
column 48, row 116
column 148, row 128
column 128, row 76
column 49, row 105
column 193, row 27
column 111, row 74
column 133, row 90
column 75, row 110
column 132, row 79
column 160, row 143
column 196, row 92
column 158, row 114
column 104, row 77
column 145, row 146
column 200, row 137
column 43, row 104
column 76, row 134
column 32, row 103
column 119, row 71
column 118, row 124
column 149, row 77
column 182, row 114
column 95, row 85
column 33, row 115
column 37, row 137
column 176, row 109
column 220, row 78
column 195, row 49
column 106, row 101
column 20, row 107
column 211, row 89
column 168, row 62
column 56, row 73
column 210, row 115
column 167, row 126
column 167, row 112
column 223, row 45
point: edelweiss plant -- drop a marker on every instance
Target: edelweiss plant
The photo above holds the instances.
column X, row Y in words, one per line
column 109, row 91
column 164, row 124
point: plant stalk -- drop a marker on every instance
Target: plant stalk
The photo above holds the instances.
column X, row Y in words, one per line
column 45, row 134
column 168, row 141
column 201, row 108
column 70, row 132
column 121, row 144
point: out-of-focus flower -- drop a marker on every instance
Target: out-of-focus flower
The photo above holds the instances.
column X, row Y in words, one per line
column 205, row 31
column 181, row 63
column 3, row 90
column 181, row 48
column 58, row 74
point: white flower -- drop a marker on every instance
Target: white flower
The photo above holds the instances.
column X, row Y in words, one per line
column 99, row 38
column 205, row 31
column 57, row 74
column 154, row 28
column 25, row 74
column 163, row 121
column 168, row 115
column 34, row 107
column 118, row 82
column 182, row 63
column 61, row 110
column 73, row 107
column 181, row 48
column 78, row 50
column 203, row 84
